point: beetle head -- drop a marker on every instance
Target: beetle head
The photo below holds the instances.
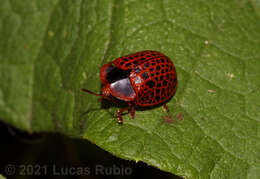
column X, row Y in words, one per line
column 106, row 92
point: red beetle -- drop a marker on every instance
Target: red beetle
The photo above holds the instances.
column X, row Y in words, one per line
column 147, row 78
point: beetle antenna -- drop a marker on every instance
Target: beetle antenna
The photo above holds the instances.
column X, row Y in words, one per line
column 90, row 92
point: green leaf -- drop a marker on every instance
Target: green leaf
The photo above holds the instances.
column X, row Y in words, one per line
column 2, row 177
column 50, row 49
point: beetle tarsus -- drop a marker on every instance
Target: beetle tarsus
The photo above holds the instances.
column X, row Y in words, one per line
column 119, row 117
column 165, row 108
column 119, row 114
column 132, row 111
column 120, row 121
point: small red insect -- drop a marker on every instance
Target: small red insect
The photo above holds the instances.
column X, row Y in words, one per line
column 145, row 79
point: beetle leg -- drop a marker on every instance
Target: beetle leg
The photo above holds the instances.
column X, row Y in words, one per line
column 132, row 110
column 166, row 109
column 119, row 114
column 168, row 117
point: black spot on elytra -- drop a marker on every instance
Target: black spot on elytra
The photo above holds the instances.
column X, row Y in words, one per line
column 157, row 73
column 162, row 60
column 157, row 91
column 131, row 58
column 167, row 76
column 150, row 83
column 128, row 64
column 156, row 78
column 151, row 69
column 145, row 75
column 152, row 94
column 158, row 85
column 153, row 64
column 166, row 70
column 157, row 98
column 142, row 58
column 146, row 65
column 125, row 59
column 161, row 78
column 175, row 80
column 163, row 91
column 158, row 61
column 136, row 56
column 147, row 56
column 171, row 79
column 158, row 68
column 162, row 71
column 121, row 63
column 164, row 83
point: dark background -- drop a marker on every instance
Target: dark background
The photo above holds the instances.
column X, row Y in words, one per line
column 53, row 155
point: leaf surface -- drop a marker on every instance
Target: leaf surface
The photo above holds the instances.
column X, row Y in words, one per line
column 50, row 49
